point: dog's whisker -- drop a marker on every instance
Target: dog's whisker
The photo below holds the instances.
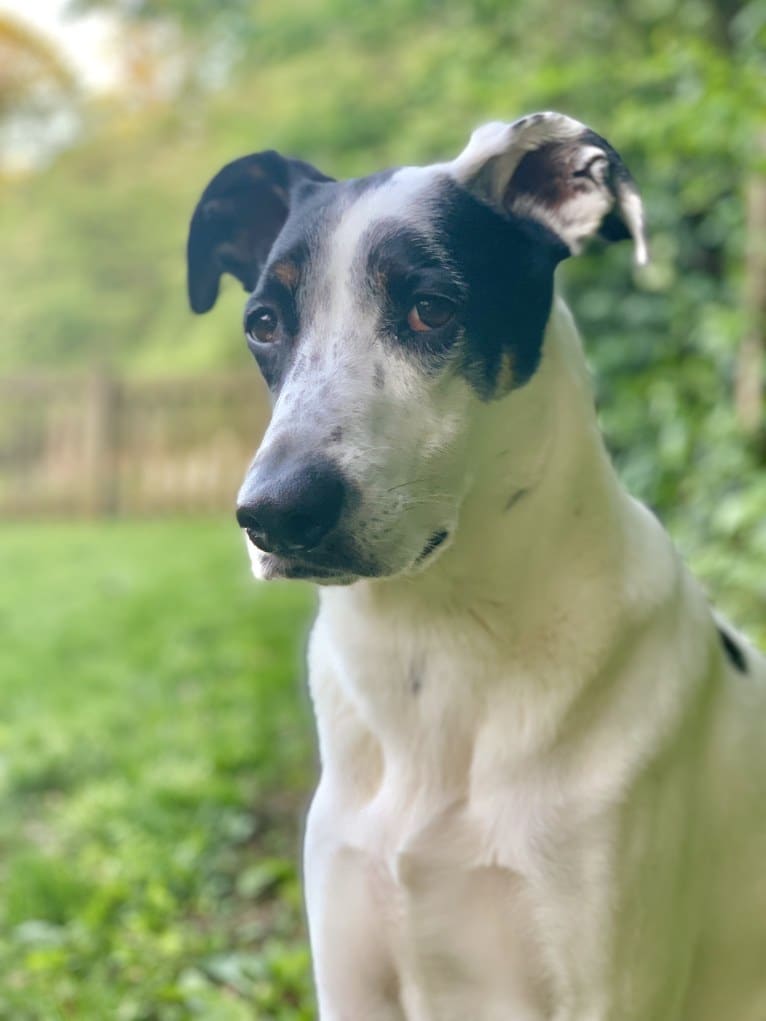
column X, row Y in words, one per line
column 402, row 485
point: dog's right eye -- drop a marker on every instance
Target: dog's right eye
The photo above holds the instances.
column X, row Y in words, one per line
column 261, row 325
column 430, row 312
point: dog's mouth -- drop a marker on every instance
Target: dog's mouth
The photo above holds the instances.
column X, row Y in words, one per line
column 274, row 567
column 328, row 566
column 336, row 567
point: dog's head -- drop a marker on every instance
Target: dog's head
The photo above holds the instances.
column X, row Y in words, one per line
column 381, row 311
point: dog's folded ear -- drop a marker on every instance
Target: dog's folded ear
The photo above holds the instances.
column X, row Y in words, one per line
column 237, row 220
column 553, row 169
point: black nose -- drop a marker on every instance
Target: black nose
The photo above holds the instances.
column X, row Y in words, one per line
column 291, row 509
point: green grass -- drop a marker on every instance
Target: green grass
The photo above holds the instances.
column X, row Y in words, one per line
column 156, row 755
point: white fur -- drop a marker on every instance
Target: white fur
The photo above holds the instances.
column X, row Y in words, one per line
column 543, row 792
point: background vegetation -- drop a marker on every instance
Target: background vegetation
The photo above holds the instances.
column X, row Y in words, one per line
column 156, row 763
column 156, row 747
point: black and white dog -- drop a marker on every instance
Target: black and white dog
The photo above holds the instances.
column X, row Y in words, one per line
column 543, row 792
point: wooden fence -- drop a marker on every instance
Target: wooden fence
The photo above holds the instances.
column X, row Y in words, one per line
column 99, row 445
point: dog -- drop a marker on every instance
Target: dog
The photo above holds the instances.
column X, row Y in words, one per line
column 543, row 786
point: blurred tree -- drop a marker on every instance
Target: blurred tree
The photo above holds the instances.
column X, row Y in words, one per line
column 32, row 73
column 751, row 366
column 37, row 92
column 175, row 45
column 194, row 15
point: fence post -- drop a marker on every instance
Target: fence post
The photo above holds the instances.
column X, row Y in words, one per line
column 102, row 439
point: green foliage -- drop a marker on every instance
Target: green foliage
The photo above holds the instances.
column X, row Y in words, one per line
column 156, row 765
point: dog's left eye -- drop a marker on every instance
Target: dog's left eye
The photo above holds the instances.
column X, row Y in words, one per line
column 429, row 312
column 261, row 325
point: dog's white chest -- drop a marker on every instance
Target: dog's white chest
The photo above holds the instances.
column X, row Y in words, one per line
column 434, row 927
column 448, row 933
column 460, row 864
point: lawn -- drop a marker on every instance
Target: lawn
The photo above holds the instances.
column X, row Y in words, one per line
column 156, row 754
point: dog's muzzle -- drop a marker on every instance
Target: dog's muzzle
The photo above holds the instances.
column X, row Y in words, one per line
column 290, row 508
column 298, row 513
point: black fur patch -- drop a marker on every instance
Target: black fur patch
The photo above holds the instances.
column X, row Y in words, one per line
column 297, row 246
column 274, row 357
column 734, row 653
column 239, row 215
column 496, row 268
column 514, row 498
column 403, row 262
column 506, row 264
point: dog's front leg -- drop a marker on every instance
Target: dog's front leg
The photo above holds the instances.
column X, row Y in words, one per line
column 353, row 966
column 351, row 900
column 623, row 917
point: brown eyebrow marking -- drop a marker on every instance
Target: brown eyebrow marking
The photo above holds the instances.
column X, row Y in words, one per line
column 287, row 273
